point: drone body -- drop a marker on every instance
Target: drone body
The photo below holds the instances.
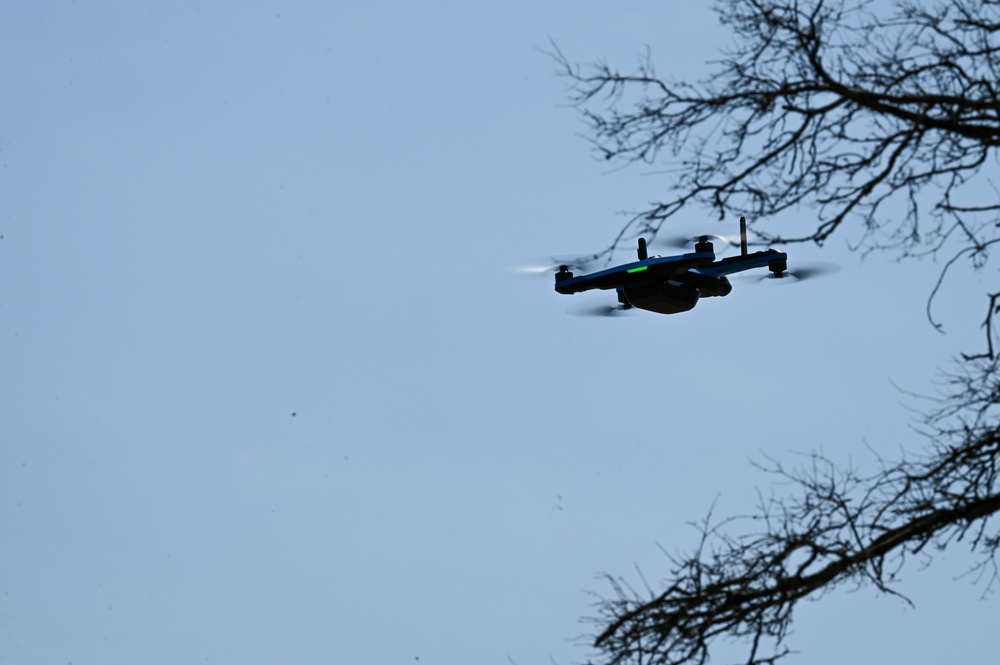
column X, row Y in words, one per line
column 672, row 284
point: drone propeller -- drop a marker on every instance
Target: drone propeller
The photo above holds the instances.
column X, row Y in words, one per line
column 576, row 263
column 600, row 310
column 738, row 240
column 803, row 272
column 688, row 242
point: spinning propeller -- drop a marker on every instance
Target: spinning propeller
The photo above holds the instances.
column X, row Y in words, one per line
column 601, row 310
column 689, row 242
column 802, row 271
column 583, row 263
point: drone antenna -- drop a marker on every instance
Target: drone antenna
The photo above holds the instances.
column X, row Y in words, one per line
column 743, row 235
column 643, row 253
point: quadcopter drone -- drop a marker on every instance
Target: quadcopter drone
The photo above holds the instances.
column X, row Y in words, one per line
column 672, row 284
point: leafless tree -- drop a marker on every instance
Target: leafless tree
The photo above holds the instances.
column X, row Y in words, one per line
column 881, row 118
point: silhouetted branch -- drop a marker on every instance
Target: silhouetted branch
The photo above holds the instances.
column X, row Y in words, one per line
column 991, row 311
column 840, row 527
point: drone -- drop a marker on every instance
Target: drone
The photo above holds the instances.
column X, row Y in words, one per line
column 673, row 284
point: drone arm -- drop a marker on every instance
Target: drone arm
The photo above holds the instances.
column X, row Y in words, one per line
column 774, row 260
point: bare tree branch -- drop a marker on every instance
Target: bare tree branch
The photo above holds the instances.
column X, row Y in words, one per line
column 842, row 528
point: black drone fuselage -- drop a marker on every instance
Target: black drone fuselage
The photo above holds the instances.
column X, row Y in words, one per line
column 671, row 284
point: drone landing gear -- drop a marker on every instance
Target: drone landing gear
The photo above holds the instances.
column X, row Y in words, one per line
column 778, row 267
column 623, row 299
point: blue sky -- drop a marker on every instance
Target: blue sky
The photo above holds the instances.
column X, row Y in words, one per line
column 271, row 393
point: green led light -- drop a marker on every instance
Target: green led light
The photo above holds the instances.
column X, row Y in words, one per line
column 639, row 269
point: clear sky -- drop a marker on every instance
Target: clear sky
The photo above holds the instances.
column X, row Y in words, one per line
column 270, row 394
